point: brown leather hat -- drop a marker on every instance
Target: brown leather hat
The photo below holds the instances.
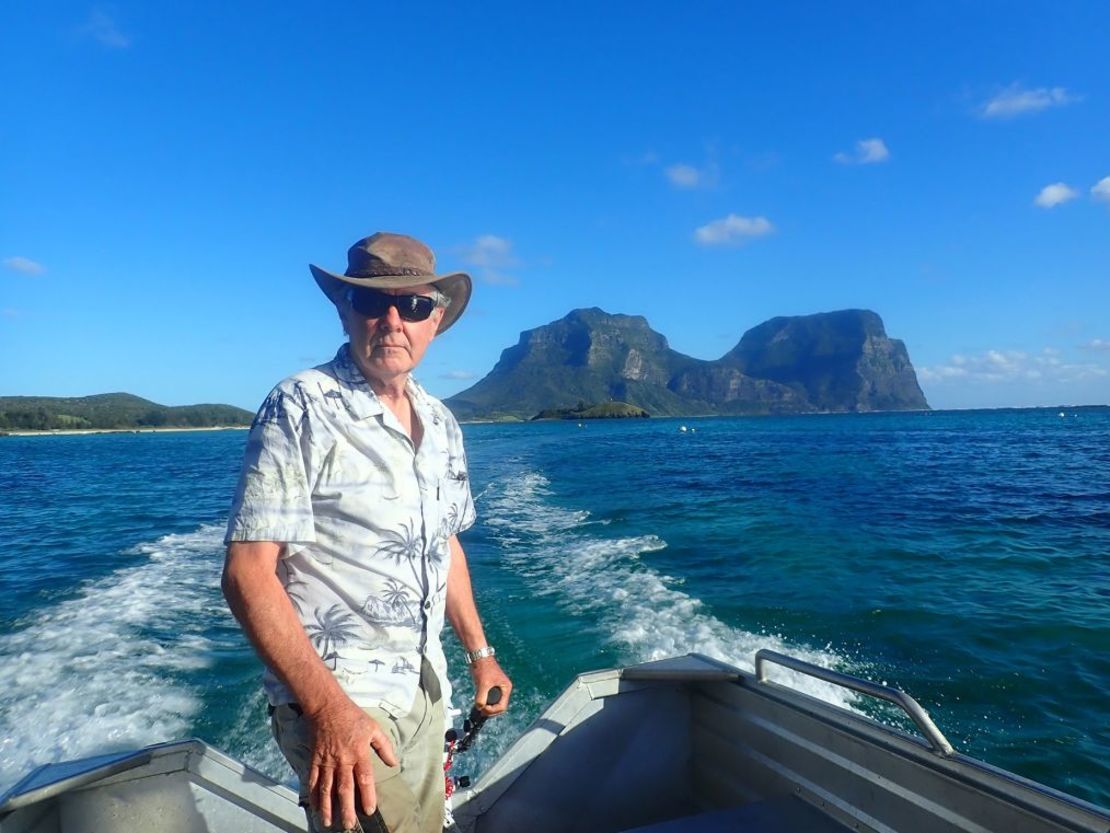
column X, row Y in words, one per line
column 395, row 261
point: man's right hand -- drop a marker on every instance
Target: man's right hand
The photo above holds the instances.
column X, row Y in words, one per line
column 343, row 736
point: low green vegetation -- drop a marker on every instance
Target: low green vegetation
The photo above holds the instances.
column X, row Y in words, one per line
column 111, row 411
column 605, row 410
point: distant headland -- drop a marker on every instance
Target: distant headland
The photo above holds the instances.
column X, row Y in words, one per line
column 833, row 362
column 111, row 412
column 604, row 410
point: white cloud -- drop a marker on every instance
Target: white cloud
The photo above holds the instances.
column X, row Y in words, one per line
column 1100, row 345
column 733, row 230
column 103, row 29
column 490, row 256
column 867, row 152
column 1055, row 194
column 24, row 265
column 682, row 175
column 1101, row 189
column 1017, row 101
column 459, row 375
column 1001, row 366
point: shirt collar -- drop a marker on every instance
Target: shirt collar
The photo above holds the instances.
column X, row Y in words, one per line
column 363, row 402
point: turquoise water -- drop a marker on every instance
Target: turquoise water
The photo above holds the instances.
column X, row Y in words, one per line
column 964, row 557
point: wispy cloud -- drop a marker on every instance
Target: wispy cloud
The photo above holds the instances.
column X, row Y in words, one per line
column 866, row 152
column 1000, row 366
column 490, row 256
column 24, row 265
column 648, row 157
column 683, row 176
column 1098, row 345
column 1016, row 100
column 1101, row 190
column 11, row 312
column 686, row 176
column 1055, row 194
column 733, row 230
column 102, row 28
column 458, row 375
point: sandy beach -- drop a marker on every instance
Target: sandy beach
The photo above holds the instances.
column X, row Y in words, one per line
column 67, row 432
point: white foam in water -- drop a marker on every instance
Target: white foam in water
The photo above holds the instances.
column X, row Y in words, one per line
column 639, row 610
column 86, row 676
column 250, row 741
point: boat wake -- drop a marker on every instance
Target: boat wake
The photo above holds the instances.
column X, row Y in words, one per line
column 106, row 670
column 638, row 611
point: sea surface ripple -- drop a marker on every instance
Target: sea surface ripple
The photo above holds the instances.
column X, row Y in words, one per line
column 962, row 556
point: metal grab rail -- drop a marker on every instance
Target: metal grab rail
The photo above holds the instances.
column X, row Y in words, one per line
column 899, row 698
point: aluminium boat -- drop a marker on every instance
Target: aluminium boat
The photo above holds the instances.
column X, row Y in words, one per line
column 683, row 744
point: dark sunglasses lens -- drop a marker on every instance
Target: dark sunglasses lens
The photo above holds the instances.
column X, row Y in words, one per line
column 419, row 307
column 370, row 303
column 374, row 304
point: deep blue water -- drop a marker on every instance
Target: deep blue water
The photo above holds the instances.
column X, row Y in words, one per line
column 962, row 556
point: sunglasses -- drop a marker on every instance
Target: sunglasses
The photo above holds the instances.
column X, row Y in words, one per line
column 373, row 303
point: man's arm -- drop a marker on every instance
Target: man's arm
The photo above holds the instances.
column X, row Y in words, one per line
column 342, row 733
column 462, row 613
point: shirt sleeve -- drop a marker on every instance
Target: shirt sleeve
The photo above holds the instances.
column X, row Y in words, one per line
column 273, row 501
column 460, row 510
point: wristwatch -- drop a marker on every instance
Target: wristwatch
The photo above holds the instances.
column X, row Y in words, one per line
column 483, row 652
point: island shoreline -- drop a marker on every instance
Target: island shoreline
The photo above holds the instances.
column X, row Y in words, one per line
column 82, row 432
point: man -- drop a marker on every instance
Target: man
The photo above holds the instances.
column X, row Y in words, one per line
column 343, row 555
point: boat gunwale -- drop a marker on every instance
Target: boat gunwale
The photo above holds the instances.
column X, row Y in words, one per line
column 697, row 671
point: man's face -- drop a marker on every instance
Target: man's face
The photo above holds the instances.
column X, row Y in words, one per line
column 387, row 347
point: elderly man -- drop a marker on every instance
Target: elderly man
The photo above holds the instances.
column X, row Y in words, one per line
column 343, row 557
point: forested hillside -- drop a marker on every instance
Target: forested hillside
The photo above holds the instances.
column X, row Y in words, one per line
column 111, row 411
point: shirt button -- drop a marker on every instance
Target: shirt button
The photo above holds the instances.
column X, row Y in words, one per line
column 428, row 605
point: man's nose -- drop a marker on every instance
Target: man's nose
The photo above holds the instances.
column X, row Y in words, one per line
column 391, row 318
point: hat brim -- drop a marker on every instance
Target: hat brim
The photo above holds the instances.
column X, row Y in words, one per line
column 456, row 286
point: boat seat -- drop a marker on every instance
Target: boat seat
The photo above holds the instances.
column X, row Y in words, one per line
column 779, row 815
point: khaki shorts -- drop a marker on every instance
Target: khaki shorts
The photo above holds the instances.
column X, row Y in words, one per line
column 410, row 797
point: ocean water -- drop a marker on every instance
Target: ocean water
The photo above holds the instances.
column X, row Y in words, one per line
column 961, row 556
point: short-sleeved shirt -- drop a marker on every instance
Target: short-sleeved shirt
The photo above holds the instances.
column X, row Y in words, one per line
column 365, row 518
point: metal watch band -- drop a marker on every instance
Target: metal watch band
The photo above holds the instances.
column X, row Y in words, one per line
column 481, row 653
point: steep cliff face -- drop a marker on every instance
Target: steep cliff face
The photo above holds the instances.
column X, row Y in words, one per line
column 732, row 391
column 588, row 356
column 843, row 361
column 840, row 361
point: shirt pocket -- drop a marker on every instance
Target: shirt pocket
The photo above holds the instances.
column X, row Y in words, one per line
column 456, row 504
column 350, row 470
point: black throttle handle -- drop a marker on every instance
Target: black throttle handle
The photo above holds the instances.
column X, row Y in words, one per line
column 476, row 719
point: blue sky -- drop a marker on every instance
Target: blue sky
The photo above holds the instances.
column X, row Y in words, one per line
column 169, row 170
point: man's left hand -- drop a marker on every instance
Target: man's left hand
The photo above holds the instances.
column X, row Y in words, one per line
column 487, row 674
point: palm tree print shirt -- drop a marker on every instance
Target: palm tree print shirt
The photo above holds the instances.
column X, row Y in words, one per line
column 365, row 518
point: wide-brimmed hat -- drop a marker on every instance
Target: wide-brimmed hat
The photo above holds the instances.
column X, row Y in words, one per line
column 395, row 261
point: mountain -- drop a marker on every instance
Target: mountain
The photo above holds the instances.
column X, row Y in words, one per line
column 835, row 361
column 111, row 411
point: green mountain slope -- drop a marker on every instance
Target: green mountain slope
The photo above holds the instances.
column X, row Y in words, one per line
column 111, row 411
column 839, row 361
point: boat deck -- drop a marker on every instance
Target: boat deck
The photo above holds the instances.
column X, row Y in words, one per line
column 784, row 815
column 693, row 744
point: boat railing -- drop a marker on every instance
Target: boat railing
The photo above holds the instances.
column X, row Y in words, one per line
column 911, row 707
